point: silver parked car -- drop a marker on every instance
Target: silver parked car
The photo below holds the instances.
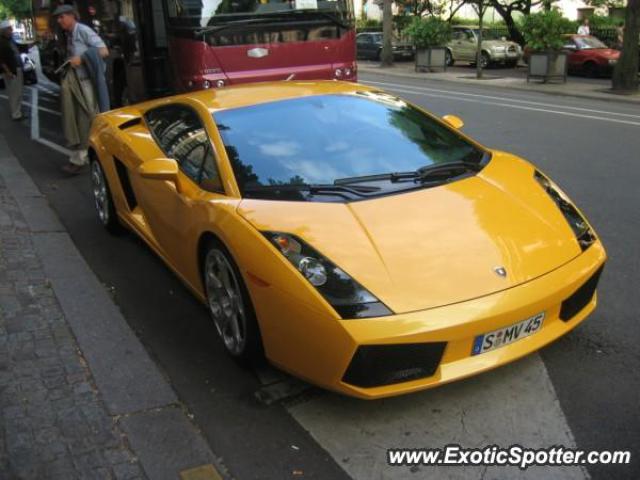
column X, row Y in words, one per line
column 464, row 42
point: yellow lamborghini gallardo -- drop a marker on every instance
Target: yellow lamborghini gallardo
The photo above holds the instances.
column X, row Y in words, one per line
column 351, row 238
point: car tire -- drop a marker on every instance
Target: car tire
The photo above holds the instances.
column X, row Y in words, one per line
column 590, row 70
column 485, row 60
column 229, row 305
column 103, row 200
column 448, row 58
column 511, row 64
column 378, row 55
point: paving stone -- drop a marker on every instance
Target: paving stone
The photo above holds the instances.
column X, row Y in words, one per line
column 53, row 424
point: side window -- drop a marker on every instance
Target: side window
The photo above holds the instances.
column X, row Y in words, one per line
column 180, row 134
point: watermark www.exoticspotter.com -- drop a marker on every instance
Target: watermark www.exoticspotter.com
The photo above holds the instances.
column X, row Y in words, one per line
column 515, row 455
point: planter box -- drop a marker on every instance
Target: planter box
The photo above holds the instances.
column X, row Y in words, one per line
column 434, row 57
column 548, row 66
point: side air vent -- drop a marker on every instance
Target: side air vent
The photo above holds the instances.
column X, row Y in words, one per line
column 130, row 123
column 125, row 182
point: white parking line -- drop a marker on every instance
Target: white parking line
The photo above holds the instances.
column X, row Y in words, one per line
column 510, row 99
column 416, row 91
column 515, row 404
column 35, row 126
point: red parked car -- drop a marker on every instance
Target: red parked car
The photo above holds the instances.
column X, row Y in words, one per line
column 586, row 55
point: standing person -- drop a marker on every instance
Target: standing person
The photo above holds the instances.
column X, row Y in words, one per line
column 11, row 69
column 80, row 96
column 584, row 28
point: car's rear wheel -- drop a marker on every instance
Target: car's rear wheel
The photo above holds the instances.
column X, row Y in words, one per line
column 448, row 58
column 103, row 199
column 230, row 306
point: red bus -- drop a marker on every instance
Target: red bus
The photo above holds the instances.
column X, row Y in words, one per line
column 159, row 47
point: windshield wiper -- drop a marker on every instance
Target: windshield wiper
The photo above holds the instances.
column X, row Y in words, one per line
column 422, row 174
column 233, row 23
column 316, row 189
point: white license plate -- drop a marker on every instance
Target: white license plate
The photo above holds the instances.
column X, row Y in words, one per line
column 506, row 335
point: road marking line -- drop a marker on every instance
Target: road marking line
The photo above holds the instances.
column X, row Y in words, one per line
column 24, row 102
column 35, row 126
column 515, row 404
column 510, row 99
column 519, row 107
column 35, row 117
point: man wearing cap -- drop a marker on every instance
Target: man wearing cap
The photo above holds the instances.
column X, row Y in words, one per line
column 79, row 103
column 11, row 69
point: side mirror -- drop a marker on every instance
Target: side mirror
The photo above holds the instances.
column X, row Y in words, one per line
column 161, row 169
column 455, row 122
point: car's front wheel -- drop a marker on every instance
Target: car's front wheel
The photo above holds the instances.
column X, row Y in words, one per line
column 485, row 60
column 103, row 199
column 230, row 306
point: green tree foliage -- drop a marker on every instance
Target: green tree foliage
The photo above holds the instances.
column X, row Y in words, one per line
column 15, row 9
column 429, row 32
column 543, row 30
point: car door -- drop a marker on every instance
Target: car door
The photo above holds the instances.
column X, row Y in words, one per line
column 362, row 45
column 455, row 45
column 574, row 55
column 171, row 210
column 468, row 46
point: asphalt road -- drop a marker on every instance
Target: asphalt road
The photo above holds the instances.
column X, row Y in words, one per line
column 584, row 390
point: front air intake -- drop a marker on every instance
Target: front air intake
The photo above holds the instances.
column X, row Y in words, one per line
column 377, row 365
column 580, row 298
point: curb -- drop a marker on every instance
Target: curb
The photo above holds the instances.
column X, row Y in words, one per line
column 606, row 97
column 132, row 388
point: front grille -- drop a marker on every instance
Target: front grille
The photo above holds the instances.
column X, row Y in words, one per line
column 580, row 298
column 377, row 365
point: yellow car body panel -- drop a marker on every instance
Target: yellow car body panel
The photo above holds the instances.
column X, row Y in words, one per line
column 427, row 254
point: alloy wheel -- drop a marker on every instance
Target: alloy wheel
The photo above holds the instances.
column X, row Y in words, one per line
column 225, row 302
column 100, row 192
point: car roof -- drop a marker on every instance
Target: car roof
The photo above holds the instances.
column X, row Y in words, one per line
column 255, row 93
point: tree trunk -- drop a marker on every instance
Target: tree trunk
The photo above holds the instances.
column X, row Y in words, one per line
column 625, row 73
column 387, row 31
column 507, row 16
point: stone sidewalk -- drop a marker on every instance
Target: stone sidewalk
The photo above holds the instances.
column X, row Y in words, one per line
column 79, row 396
column 596, row 91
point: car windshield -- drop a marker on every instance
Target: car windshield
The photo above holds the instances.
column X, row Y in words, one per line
column 588, row 42
column 202, row 13
column 321, row 139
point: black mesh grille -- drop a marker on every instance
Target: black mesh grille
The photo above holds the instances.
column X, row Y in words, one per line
column 376, row 365
column 580, row 298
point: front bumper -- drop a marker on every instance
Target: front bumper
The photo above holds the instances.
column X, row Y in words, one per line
column 505, row 56
column 323, row 355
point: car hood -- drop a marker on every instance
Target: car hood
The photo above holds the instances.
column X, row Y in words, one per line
column 435, row 246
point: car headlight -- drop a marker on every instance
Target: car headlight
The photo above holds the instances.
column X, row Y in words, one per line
column 344, row 294
column 498, row 49
column 577, row 222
